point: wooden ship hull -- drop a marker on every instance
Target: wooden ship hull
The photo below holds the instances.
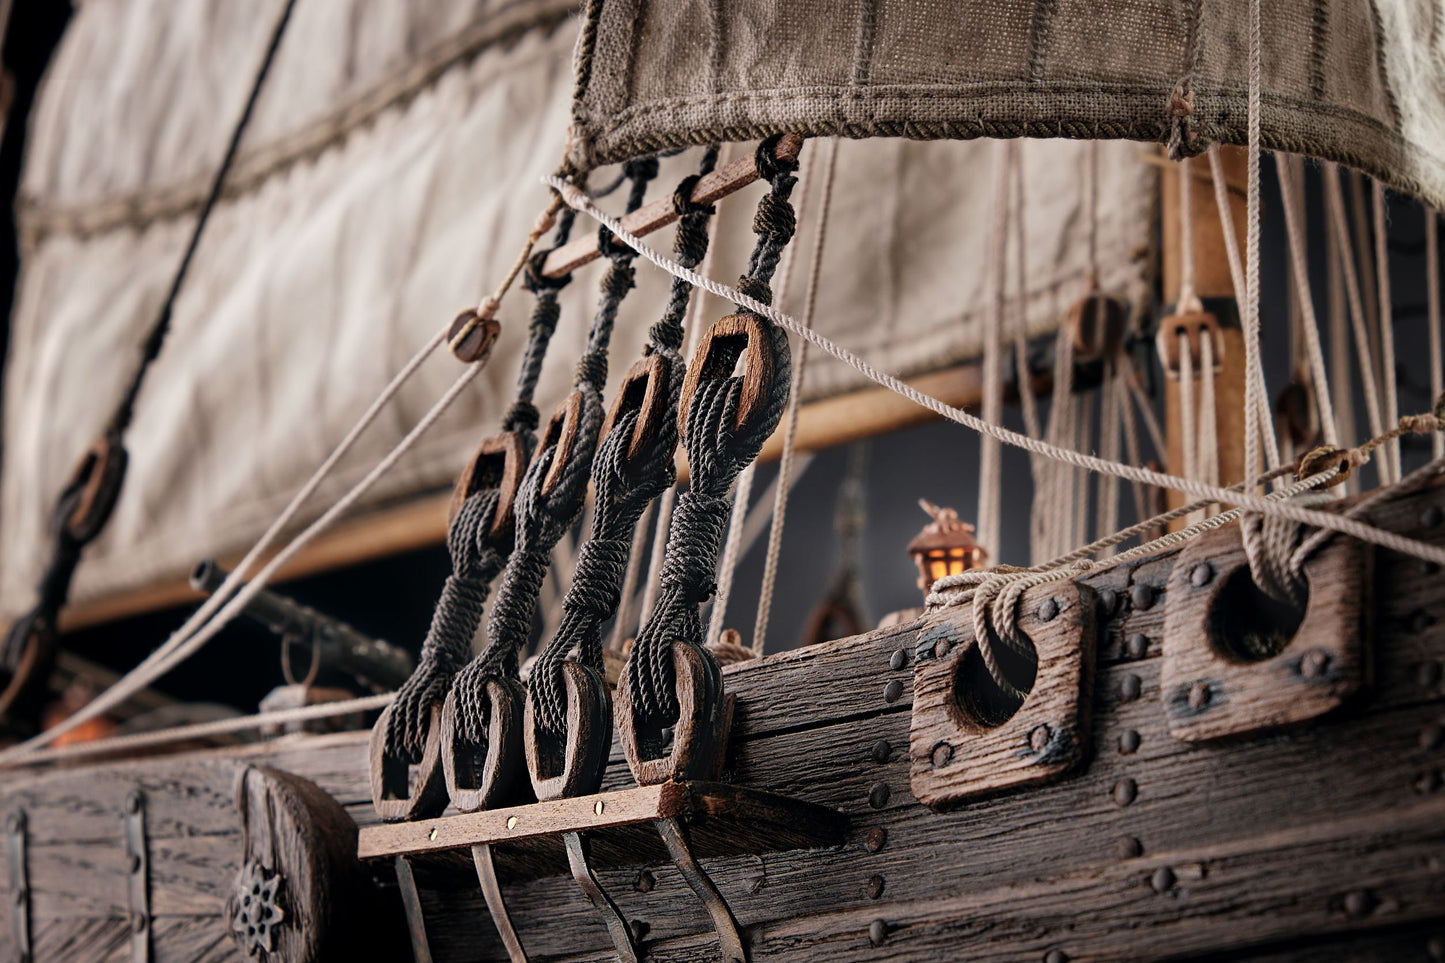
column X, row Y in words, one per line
column 1319, row 839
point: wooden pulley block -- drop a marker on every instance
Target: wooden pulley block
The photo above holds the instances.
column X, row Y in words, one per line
column 1297, row 414
column 645, row 388
column 563, row 434
column 400, row 789
column 964, row 742
column 486, row 776
column 574, row 765
column 694, row 746
column 99, row 476
column 471, row 336
column 1098, row 323
column 731, row 337
column 499, row 463
column 1196, row 326
column 1237, row 661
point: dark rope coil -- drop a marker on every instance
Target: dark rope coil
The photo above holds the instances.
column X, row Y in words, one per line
column 717, row 450
column 455, row 620
column 546, row 511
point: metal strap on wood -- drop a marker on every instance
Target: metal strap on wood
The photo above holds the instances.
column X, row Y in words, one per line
column 19, row 884
column 138, row 876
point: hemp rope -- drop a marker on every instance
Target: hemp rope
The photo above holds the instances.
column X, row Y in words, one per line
column 1340, row 355
column 1335, row 210
column 717, row 450
column 544, row 517
column 1432, row 295
column 1391, row 540
column 1293, row 192
column 784, row 482
column 990, row 478
column 624, row 485
column 1385, row 319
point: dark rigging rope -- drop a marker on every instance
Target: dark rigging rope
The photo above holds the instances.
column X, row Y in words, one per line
column 552, row 492
column 624, row 481
column 717, row 450
column 86, row 502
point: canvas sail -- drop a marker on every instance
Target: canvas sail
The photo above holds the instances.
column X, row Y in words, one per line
column 384, row 183
column 1356, row 81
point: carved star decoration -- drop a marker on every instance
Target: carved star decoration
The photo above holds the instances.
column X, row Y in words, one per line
column 256, row 908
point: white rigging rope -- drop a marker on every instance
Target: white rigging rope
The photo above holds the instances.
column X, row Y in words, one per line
column 1347, row 526
column 1432, row 295
column 1293, row 192
column 1385, row 318
column 790, row 424
column 990, row 452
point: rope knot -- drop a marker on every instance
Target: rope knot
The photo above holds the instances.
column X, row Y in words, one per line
column 522, row 416
column 1322, row 458
column 767, row 161
column 756, row 288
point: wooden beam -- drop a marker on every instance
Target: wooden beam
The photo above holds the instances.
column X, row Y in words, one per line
column 422, row 522
column 660, row 213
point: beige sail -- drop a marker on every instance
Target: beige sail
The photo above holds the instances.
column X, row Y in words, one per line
column 1354, row 81
column 384, row 184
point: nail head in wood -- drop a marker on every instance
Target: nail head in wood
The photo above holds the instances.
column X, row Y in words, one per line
column 893, row 691
column 898, row 660
column 942, row 754
column 878, row 932
column 879, row 794
column 881, row 751
column 875, row 886
column 1163, row 880
column 1129, row 741
column 1125, row 791
column 1048, row 610
column 1130, row 687
column 1056, row 956
column 1128, row 848
column 876, row 839
column 1138, row 646
column 1432, row 736
column 1142, row 596
column 1201, row 574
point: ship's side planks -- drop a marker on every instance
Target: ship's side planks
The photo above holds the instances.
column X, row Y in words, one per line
column 1323, row 841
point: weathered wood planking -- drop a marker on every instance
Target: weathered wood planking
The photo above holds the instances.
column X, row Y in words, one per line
column 1332, row 830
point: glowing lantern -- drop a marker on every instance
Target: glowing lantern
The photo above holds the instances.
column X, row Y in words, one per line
column 946, row 546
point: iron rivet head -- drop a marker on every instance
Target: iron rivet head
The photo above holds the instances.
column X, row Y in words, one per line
column 1125, row 791
column 1428, row 674
column 893, row 691
column 1142, row 596
column 1314, row 663
column 1108, row 601
column 1138, row 646
column 1200, row 695
column 1432, row 736
column 1421, row 620
column 133, row 801
column 1130, row 687
column 1201, row 575
column 134, row 863
column 874, row 889
column 1039, row 737
column 941, row 756
column 1129, row 848
column 1427, row 782
column 640, row 929
column 876, row 839
column 878, row 795
column 1359, row 903
column 1056, row 956
column 1129, row 742
column 897, row 660
column 1049, row 610
column 881, row 751
column 941, row 648
column 1431, row 516
column 1163, row 880
column 138, row 923
column 644, row 881
column 878, row 932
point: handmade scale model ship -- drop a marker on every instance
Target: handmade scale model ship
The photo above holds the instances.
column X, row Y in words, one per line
column 1222, row 742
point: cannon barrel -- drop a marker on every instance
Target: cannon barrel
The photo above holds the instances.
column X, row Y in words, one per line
column 338, row 645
